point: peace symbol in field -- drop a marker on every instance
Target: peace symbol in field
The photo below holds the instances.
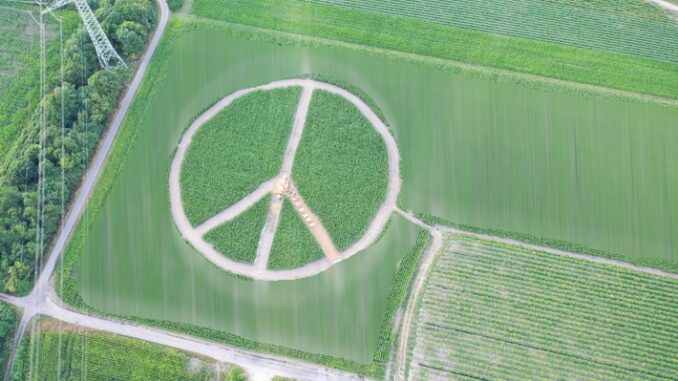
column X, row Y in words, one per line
column 280, row 188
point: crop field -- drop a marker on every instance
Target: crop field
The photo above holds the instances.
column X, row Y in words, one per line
column 514, row 169
column 8, row 322
column 238, row 239
column 237, row 150
column 497, row 311
column 467, row 46
column 293, row 246
column 19, row 51
column 66, row 353
column 341, row 168
column 652, row 36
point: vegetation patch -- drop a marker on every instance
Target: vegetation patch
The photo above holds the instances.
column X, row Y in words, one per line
column 235, row 151
column 8, row 323
column 238, row 239
column 67, row 353
column 487, row 305
column 293, row 245
column 571, row 63
column 639, row 29
column 341, row 167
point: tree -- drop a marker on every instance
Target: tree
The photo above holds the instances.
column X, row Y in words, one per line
column 236, row 373
column 131, row 36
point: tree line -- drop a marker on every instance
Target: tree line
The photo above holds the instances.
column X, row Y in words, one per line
column 90, row 97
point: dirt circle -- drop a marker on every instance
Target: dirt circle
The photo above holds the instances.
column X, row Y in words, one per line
column 282, row 189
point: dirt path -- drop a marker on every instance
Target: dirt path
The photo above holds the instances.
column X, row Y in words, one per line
column 313, row 224
column 273, row 218
column 258, row 270
column 427, row 260
column 42, row 284
column 664, row 4
column 259, row 366
column 237, row 209
column 590, row 258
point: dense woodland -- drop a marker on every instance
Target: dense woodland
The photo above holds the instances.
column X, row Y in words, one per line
column 90, row 96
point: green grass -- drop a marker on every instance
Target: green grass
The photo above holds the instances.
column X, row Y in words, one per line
column 235, row 151
column 590, row 26
column 341, row 167
column 238, row 239
column 609, row 69
column 59, row 352
column 495, row 311
column 8, row 321
column 293, row 245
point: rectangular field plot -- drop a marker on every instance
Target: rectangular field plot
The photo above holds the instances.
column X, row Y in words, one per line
column 549, row 162
column 57, row 351
column 493, row 311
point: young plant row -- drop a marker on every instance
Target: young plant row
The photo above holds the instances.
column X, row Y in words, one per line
column 496, row 310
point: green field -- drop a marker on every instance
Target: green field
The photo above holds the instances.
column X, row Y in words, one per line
column 238, row 239
column 8, row 321
column 549, row 161
column 237, row 150
column 341, row 167
column 497, row 311
column 474, row 47
column 293, row 245
column 63, row 352
column 146, row 270
column 629, row 27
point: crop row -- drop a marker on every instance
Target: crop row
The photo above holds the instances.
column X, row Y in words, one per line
column 341, row 168
column 497, row 311
column 99, row 356
column 235, row 151
column 539, row 20
column 546, row 282
column 426, row 39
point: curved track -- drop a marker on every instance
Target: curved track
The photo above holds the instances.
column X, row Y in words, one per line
column 258, row 270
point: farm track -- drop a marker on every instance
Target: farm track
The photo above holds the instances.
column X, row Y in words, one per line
column 664, row 4
column 397, row 369
column 258, row 270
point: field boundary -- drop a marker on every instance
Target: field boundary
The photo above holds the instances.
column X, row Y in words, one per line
column 541, row 82
column 561, row 246
column 399, row 295
column 564, row 253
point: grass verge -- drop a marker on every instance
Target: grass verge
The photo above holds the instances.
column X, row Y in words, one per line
column 488, row 304
column 658, row 263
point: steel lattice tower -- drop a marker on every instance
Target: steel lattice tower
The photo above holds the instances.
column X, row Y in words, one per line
column 109, row 59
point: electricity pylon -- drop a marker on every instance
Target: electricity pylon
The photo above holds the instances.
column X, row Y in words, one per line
column 109, row 59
